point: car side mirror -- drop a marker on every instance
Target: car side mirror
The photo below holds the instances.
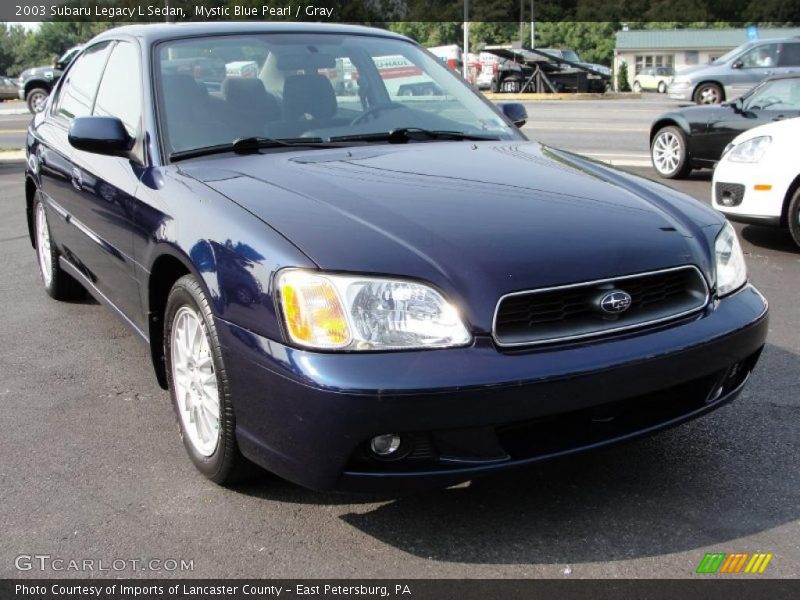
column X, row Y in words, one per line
column 515, row 112
column 737, row 65
column 737, row 105
column 100, row 135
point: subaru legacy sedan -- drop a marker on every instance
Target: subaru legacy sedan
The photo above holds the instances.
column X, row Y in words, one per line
column 358, row 289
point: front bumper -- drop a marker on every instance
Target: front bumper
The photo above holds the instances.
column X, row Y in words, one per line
column 680, row 91
column 308, row 416
column 750, row 204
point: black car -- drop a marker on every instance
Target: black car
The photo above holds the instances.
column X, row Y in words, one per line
column 36, row 83
column 695, row 137
column 371, row 290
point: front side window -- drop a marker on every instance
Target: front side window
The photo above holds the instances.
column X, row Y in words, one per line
column 80, row 86
column 761, row 56
column 118, row 95
column 781, row 94
column 214, row 90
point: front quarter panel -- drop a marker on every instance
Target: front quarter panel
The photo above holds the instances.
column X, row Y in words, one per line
column 231, row 252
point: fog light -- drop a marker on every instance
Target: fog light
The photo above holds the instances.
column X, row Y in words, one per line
column 385, row 445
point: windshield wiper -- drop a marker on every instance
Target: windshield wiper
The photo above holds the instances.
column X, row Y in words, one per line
column 404, row 135
column 247, row 145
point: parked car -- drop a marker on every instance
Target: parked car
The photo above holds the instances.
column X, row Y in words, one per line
column 8, row 89
column 758, row 178
column 695, row 137
column 737, row 71
column 374, row 292
column 653, row 79
column 35, row 84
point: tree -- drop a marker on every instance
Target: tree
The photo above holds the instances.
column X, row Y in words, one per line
column 622, row 78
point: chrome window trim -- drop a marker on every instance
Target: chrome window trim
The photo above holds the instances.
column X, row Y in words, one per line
column 604, row 332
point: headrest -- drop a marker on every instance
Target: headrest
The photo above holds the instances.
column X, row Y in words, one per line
column 308, row 94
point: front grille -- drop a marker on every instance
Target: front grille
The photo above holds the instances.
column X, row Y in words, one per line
column 729, row 194
column 572, row 312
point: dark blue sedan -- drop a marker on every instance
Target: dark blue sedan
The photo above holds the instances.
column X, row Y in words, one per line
column 354, row 287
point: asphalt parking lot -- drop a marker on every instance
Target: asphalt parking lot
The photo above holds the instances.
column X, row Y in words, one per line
column 93, row 466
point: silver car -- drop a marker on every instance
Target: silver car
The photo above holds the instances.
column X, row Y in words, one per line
column 736, row 72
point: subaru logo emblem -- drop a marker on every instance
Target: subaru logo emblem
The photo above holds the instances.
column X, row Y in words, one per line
column 615, row 302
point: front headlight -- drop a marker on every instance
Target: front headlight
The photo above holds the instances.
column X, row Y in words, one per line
column 730, row 267
column 750, row 151
column 346, row 312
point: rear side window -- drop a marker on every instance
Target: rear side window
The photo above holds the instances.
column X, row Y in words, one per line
column 790, row 54
column 118, row 95
column 77, row 93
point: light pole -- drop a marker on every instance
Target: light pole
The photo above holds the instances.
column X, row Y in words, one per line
column 465, row 57
column 533, row 24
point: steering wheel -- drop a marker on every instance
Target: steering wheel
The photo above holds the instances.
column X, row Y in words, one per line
column 373, row 112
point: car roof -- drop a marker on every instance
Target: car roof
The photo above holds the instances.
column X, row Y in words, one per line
column 155, row 32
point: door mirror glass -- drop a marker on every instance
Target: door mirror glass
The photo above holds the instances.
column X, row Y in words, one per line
column 100, row 135
column 515, row 112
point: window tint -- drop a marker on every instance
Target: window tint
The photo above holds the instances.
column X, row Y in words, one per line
column 790, row 54
column 77, row 93
column 118, row 95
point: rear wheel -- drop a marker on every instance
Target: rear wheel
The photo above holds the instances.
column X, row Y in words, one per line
column 637, row 87
column 668, row 153
column 709, row 93
column 37, row 98
column 793, row 217
column 198, row 385
column 57, row 283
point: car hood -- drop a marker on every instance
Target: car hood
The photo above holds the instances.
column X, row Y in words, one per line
column 477, row 219
column 697, row 69
column 37, row 71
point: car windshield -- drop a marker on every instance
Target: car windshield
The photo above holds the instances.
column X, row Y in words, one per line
column 217, row 89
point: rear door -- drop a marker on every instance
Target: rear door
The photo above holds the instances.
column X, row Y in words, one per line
column 74, row 98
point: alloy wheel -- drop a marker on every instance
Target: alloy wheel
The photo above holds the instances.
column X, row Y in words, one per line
column 38, row 101
column 195, row 381
column 43, row 251
column 667, row 152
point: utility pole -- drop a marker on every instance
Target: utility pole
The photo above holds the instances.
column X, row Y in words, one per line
column 533, row 24
column 465, row 57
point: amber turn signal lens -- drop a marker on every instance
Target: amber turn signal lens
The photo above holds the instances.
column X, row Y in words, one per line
column 313, row 311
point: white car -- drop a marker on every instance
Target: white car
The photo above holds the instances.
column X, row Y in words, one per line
column 757, row 180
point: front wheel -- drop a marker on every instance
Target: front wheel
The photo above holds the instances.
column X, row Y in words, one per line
column 709, row 93
column 37, row 99
column 198, row 385
column 793, row 216
column 668, row 153
column 662, row 87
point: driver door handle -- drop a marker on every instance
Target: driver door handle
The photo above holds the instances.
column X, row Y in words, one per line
column 77, row 179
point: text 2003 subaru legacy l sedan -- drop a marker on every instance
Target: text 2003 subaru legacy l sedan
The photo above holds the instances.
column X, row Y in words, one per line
column 355, row 288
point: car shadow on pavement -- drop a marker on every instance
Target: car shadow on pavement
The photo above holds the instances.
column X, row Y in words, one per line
column 772, row 238
column 721, row 478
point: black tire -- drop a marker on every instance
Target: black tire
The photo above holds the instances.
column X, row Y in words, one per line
column 36, row 99
column 225, row 465
column 637, row 87
column 682, row 166
column 793, row 217
column 662, row 87
column 58, row 284
column 709, row 93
